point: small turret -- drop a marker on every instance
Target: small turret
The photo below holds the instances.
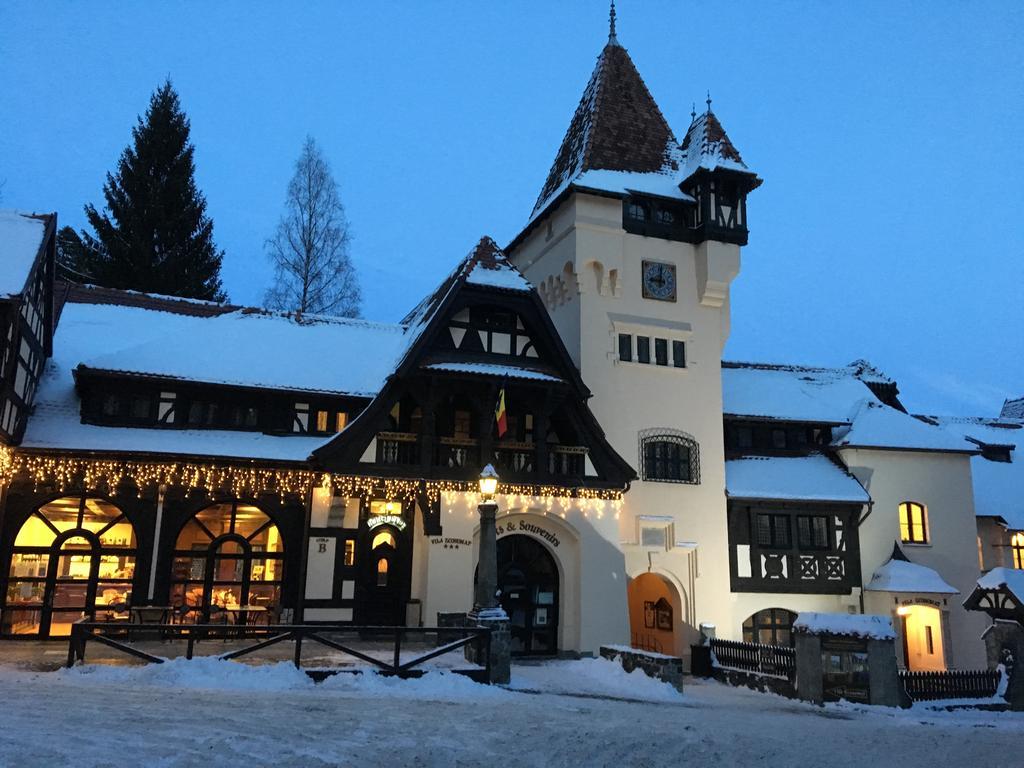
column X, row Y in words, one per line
column 715, row 175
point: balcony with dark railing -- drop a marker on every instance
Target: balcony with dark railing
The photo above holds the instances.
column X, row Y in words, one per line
column 457, row 453
column 515, row 458
column 566, row 460
column 398, row 448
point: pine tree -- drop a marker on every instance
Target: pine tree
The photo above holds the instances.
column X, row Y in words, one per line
column 74, row 260
column 310, row 252
column 154, row 234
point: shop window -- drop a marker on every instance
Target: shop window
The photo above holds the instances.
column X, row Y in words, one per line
column 669, row 456
column 913, row 523
column 1017, row 547
column 772, row 626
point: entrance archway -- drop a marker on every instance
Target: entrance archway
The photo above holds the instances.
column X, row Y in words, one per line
column 655, row 613
column 529, row 592
column 922, row 637
column 72, row 556
column 229, row 555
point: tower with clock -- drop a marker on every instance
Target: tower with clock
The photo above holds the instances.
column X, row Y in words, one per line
column 633, row 243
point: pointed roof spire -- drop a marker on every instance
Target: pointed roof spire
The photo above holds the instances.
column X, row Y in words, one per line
column 707, row 146
column 709, row 100
column 612, row 39
column 617, row 126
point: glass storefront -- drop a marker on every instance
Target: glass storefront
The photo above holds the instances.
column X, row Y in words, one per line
column 228, row 558
column 74, row 557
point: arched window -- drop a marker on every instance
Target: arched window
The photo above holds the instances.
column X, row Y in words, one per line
column 382, row 572
column 72, row 557
column 229, row 555
column 913, row 523
column 1017, row 547
column 772, row 626
column 669, row 456
column 384, row 537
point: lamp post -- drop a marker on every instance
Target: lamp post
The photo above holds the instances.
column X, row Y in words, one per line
column 485, row 598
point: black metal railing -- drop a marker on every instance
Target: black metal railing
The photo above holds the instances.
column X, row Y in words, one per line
column 400, row 448
column 950, row 684
column 761, row 659
column 119, row 637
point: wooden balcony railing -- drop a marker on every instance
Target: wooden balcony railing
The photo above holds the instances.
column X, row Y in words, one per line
column 566, row 460
column 457, row 453
column 515, row 458
column 397, row 448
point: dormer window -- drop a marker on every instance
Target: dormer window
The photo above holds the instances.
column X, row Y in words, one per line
column 636, row 211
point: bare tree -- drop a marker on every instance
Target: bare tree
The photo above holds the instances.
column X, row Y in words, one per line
column 310, row 251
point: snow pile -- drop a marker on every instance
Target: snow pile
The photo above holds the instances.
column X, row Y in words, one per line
column 20, row 238
column 903, row 576
column 433, row 686
column 592, row 677
column 202, row 673
column 798, row 478
column 850, row 624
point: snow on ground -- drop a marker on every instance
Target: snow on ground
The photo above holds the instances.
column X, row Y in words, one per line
column 214, row 713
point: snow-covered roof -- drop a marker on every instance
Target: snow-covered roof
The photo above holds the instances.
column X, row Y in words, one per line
column 21, row 235
column 791, row 478
column 498, row 274
column 1012, row 579
column 998, row 485
column 241, row 348
column 1013, row 409
column 707, row 146
column 793, row 392
column 860, row 625
column 878, row 426
column 903, row 576
column 237, row 348
column 492, row 370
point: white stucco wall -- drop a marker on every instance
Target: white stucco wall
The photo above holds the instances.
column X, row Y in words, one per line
column 942, row 483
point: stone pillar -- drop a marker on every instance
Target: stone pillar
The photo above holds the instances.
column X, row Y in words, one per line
column 883, row 675
column 487, row 568
column 501, row 647
column 808, row 668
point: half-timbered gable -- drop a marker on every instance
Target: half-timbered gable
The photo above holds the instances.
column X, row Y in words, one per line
column 483, row 331
column 27, row 248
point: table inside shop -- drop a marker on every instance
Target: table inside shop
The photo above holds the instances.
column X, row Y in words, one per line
column 245, row 614
column 151, row 614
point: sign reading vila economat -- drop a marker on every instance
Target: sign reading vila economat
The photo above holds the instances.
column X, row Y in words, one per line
column 377, row 520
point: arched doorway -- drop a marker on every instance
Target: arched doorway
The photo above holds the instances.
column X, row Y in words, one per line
column 528, row 588
column 922, row 637
column 228, row 555
column 72, row 556
column 655, row 613
column 385, row 578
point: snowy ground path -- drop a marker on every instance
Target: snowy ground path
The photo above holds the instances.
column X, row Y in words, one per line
column 211, row 713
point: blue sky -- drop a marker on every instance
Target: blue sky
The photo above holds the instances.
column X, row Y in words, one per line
column 889, row 135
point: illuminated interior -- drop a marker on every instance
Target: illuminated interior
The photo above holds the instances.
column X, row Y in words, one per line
column 72, row 556
column 1017, row 547
column 922, row 637
column 229, row 555
column 913, row 523
column 384, row 537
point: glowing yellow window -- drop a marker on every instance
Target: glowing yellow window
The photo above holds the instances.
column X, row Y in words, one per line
column 321, row 421
column 1017, row 547
column 341, row 421
column 382, row 572
column 350, row 552
column 384, row 537
column 913, row 523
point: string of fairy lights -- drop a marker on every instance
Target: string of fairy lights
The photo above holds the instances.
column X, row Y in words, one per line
column 65, row 473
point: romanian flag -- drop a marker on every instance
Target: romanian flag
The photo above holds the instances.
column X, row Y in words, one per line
column 499, row 413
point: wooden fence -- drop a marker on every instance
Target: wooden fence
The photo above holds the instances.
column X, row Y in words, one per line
column 775, row 660
column 950, row 684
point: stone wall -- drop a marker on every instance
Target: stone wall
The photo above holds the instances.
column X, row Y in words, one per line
column 668, row 669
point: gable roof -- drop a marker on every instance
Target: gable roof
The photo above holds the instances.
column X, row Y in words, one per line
column 617, row 127
column 797, row 392
column 875, row 425
column 22, row 237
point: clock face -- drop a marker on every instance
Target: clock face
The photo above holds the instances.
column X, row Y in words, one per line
column 659, row 281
